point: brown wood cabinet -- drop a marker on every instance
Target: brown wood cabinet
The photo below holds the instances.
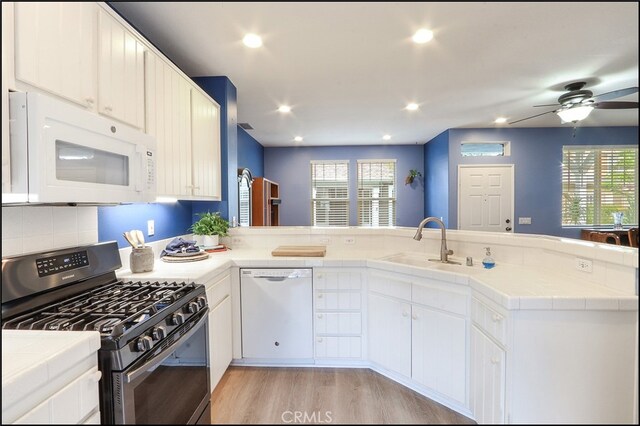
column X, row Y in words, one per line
column 265, row 210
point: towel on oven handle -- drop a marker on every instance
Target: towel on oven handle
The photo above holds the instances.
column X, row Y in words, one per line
column 180, row 245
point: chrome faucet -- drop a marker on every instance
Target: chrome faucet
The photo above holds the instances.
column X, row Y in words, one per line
column 444, row 252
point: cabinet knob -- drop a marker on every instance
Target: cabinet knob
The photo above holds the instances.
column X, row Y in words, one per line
column 414, row 316
column 108, row 108
column 405, row 314
column 320, row 296
column 89, row 101
column 319, row 315
column 95, row 377
column 495, row 360
column 496, row 317
column 319, row 339
column 320, row 276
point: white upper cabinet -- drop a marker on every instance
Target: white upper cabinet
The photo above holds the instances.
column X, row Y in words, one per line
column 120, row 72
column 55, row 48
column 186, row 125
column 205, row 137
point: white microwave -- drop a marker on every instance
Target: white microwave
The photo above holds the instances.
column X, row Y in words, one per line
column 61, row 153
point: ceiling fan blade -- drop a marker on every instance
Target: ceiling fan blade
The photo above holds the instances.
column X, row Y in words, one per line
column 548, row 105
column 616, row 94
column 615, row 105
column 533, row 116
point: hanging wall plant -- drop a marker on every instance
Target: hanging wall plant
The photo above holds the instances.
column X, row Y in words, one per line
column 412, row 175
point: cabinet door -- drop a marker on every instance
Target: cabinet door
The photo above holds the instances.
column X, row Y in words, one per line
column 390, row 333
column 220, row 340
column 120, row 72
column 169, row 120
column 439, row 352
column 54, row 48
column 205, row 137
column 487, row 379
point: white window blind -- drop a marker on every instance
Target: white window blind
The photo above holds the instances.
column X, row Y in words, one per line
column 330, row 193
column 598, row 181
column 376, row 192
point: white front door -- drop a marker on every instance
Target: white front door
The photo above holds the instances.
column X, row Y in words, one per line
column 485, row 198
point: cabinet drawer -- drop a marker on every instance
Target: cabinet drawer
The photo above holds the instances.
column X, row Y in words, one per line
column 339, row 347
column 70, row 404
column 217, row 291
column 337, row 280
column 445, row 300
column 338, row 300
column 390, row 285
column 489, row 321
column 338, row 323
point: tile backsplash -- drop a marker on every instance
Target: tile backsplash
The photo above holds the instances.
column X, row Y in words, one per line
column 27, row 229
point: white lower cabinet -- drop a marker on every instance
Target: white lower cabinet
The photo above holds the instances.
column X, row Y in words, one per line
column 424, row 341
column 338, row 313
column 220, row 326
column 487, row 382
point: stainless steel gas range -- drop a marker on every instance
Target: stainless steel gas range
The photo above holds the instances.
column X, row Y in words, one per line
column 154, row 338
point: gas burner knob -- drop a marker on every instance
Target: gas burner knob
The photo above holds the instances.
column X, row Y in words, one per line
column 192, row 307
column 158, row 333
column 202, row 302
column 177, row 318
column 144, row 343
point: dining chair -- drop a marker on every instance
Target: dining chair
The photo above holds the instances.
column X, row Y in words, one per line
column 605, row 237
column 633, row 237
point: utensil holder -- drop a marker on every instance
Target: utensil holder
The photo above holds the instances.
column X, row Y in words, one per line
column 141, row 259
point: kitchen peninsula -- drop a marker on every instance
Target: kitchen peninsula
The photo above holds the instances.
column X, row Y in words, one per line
column 517, row 343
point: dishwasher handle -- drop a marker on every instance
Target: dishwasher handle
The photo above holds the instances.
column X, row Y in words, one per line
column 271, row 278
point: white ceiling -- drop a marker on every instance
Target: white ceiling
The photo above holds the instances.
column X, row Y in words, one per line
column 349, row 69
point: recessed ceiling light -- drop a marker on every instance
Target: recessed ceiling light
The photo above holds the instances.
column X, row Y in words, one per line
column 422, row 36
column 252, row 40
column 298, row 139
column 500, row 120
column 386, row 137
column 412, row 107
column 284, row 108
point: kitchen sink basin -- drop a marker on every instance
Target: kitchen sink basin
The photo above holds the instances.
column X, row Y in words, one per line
column 422, row 260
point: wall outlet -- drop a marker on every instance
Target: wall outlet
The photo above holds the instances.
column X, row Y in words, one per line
column 349, row 240
column 236, row 240
column 584, row 265
column 151, row 227
column 524, row 221
column 325, row 240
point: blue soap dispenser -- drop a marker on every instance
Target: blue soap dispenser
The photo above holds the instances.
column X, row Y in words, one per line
column 488, row 261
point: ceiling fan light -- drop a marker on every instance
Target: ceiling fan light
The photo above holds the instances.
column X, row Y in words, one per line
column 571, row 115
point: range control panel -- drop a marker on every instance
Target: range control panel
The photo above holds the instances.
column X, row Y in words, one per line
column 56, row 264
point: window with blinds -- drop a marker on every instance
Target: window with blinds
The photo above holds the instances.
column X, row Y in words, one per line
column 598, row 181
column 330, row 193
column 376, row 192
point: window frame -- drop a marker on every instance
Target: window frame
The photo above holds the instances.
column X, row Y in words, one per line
column 315, row 200
column 596, row 191
column 393, row 201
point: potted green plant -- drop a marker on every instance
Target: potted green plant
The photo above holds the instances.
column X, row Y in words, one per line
column 209, row 227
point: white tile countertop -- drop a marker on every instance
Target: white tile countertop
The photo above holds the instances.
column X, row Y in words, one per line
column 36, row 364
column 513, row 286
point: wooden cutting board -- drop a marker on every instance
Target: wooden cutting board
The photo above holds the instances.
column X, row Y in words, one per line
column 305, row 251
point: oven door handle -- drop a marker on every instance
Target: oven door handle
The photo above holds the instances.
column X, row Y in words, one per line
column 156, row 360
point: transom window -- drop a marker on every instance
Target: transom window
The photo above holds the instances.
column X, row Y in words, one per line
column 376, row 192
column 330, row 193
column 598, row 181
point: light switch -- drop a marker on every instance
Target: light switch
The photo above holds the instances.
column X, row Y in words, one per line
column 151, row 227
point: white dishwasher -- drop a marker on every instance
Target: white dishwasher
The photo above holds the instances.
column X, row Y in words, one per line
column 277, row 314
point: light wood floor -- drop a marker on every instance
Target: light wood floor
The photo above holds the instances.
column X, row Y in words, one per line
column 321, row 395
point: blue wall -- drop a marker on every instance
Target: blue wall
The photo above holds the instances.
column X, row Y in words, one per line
column 436, row 178
column 250, row 153
column 537, row 157
column 290, row 168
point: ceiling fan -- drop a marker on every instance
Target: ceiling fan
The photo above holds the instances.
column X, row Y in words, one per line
column 577, row 103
